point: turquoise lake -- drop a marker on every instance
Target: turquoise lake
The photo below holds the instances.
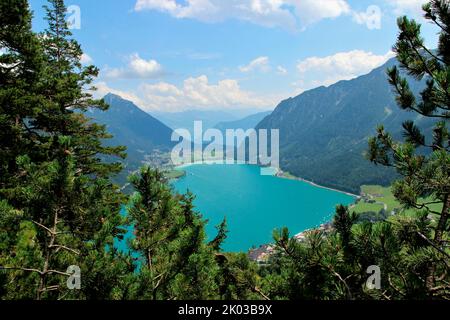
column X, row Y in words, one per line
column 255, row 204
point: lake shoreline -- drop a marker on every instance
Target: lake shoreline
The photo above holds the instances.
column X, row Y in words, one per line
column 262, row 253
column 283, row 175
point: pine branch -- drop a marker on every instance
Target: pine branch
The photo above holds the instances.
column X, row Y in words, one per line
column 43, row 227
column 40, row 272
column 394, row 287
column 258, row 291
column 434, row 246
column 21, row 269
column 58, row 247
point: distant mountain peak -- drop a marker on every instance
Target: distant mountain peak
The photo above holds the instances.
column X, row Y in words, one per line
column 133, row 127
column 112, row 96
column 249, row 122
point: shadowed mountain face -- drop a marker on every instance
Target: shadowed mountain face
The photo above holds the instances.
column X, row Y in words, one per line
column 133, row 127
column 324, row 131
column 142, row 134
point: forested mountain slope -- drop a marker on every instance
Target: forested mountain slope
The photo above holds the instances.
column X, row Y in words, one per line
column 324, row 131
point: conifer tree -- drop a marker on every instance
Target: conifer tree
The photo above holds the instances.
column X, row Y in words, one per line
column 65, row 209
column 423, row 162
column 343, row 222
column 175, row 262
column 222, row 233
column 20, row 69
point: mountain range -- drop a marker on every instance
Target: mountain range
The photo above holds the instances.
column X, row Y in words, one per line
column 185, row 119
column 246, row 123
column 324, row 132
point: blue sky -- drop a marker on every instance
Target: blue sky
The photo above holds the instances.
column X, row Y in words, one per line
column 174, row 55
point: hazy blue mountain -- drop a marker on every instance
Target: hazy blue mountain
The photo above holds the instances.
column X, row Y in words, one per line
column 246, row 123
column 324, row 131
column 185, row 119
column 142, row 134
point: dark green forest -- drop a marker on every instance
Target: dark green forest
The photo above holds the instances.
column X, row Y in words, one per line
column 61, row 211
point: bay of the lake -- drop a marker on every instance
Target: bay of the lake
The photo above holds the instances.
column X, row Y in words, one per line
column 256, row 204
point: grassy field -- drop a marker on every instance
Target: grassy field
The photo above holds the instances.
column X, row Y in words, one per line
column 382, row 196
column 362, row 207
column 175, row 174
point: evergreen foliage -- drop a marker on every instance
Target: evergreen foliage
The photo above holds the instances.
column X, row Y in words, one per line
column 59, row 208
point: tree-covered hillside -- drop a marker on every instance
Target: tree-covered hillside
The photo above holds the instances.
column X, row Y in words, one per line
column 324, row 131
column 147, row 140
column 249, row 122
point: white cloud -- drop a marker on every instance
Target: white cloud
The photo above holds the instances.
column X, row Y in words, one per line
column 86, row 59
column 311, row 11
column 317, row 71
column 402, row 7
column 195, row 93
column 259, row 64
column 281, row 70
column 289, row 14
column 137, row 68
column 198, row 93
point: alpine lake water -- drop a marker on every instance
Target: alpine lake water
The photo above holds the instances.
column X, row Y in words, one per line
column 254, row 204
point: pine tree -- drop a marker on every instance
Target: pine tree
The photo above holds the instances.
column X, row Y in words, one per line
column 423, row 162
column 175, row 262
column 20, row 69
column 343, row 222
column 222, row 233
column 308, row 269
column 68, row 87
column 59, row 195
column 238, row 278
